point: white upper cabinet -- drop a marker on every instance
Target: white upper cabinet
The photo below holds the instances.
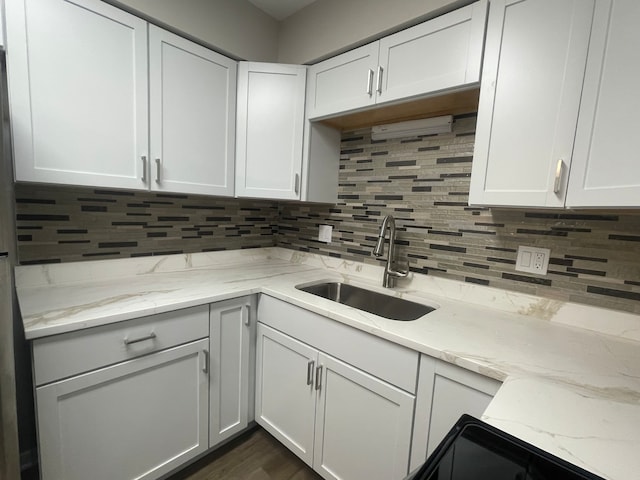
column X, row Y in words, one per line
column 605, row 171
column 441, row 54
column 78, row 92
column 269, row 131
column 343, row 83
column 192, row 112
column 534, row 64
column 96, row 101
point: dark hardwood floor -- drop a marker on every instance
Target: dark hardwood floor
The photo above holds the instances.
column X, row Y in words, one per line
column 255, row 455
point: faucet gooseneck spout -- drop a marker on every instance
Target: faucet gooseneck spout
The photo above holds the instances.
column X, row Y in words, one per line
column 390, row 273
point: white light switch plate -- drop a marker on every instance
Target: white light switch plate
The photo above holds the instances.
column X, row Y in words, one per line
column 324, row 233
column 533, row 260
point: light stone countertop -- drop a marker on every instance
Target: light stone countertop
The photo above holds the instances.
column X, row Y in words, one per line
column 571, row 372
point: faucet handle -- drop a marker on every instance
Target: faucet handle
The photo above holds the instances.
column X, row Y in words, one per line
column 400, row 272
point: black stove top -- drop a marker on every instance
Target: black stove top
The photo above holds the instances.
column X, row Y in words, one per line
column 475, row 450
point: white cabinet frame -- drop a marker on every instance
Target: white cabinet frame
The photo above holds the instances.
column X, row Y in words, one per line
column 232, row 322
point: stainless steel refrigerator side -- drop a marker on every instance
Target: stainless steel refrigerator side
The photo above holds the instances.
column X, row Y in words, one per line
column 9, row 318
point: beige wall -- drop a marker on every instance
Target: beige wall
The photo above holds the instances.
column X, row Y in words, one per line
column 234, row 27
column 324, row 28
column 330, row 26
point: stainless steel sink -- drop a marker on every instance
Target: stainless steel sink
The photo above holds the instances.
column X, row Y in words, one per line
column 379, row 304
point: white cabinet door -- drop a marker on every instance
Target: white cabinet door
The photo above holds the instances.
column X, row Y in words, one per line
column 343, row 83
column 134, row 420
column 445, row 392
column 285, row 394
column 533, row 70
column 270, row 126
column 192, row 111
column 363, row 425
column 456, row 391
column 78, row 92
column 440, row 54
column 605, row 171
column 229, row 368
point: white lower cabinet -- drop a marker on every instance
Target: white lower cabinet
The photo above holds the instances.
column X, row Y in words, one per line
column 445, row 392
column 137, row 419
column 285, row 395
column 231, row 326
column 123, row 401
column 343, row 422
column 363, row 425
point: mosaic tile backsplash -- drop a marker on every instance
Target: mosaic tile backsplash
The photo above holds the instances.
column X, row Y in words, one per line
column 68, row 224
column 422, row 181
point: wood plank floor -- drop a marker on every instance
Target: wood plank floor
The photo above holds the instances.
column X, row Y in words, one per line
column 254, row 456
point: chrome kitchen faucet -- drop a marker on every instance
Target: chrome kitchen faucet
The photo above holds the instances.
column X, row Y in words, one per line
column 390, row 273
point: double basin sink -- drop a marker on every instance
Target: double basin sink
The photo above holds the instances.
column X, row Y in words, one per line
column 393, row 308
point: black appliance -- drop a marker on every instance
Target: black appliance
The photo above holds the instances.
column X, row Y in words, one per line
column 475, row 450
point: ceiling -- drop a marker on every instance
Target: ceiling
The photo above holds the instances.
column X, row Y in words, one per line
column 281, row 9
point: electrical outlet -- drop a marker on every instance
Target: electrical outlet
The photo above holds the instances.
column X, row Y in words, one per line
column 324, row 233
column 533, row 260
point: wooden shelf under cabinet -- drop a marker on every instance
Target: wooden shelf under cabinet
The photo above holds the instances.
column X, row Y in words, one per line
column 455, row 103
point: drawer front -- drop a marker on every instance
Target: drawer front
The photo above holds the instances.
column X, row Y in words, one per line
column 62, row 356
column 386, row 360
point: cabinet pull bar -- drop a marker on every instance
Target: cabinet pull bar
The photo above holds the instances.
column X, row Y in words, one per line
column 247, row 318
column 158, row 170
column 151, row 336
column 297, row 183
column 144, row 168
column 370, row 82
column 205, row 365
column 319, row 377
column 310, row 366
column 556, row 183
column 380, row 71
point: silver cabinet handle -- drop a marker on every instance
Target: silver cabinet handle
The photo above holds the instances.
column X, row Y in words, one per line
column 319, row 377
column 247, row 318
column 151, row 336
column 310, row 372
column 144, row 168
column 380, row 71
column 556, row 183
column 370, row 82
column 205, row 363
column 158, row 170
column 296, row 185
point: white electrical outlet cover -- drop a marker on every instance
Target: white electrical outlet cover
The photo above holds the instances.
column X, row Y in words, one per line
column 533, row 260
column 324, row 233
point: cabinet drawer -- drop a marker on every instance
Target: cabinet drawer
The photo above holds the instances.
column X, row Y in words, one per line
column 388, row 361
column 65, row 355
